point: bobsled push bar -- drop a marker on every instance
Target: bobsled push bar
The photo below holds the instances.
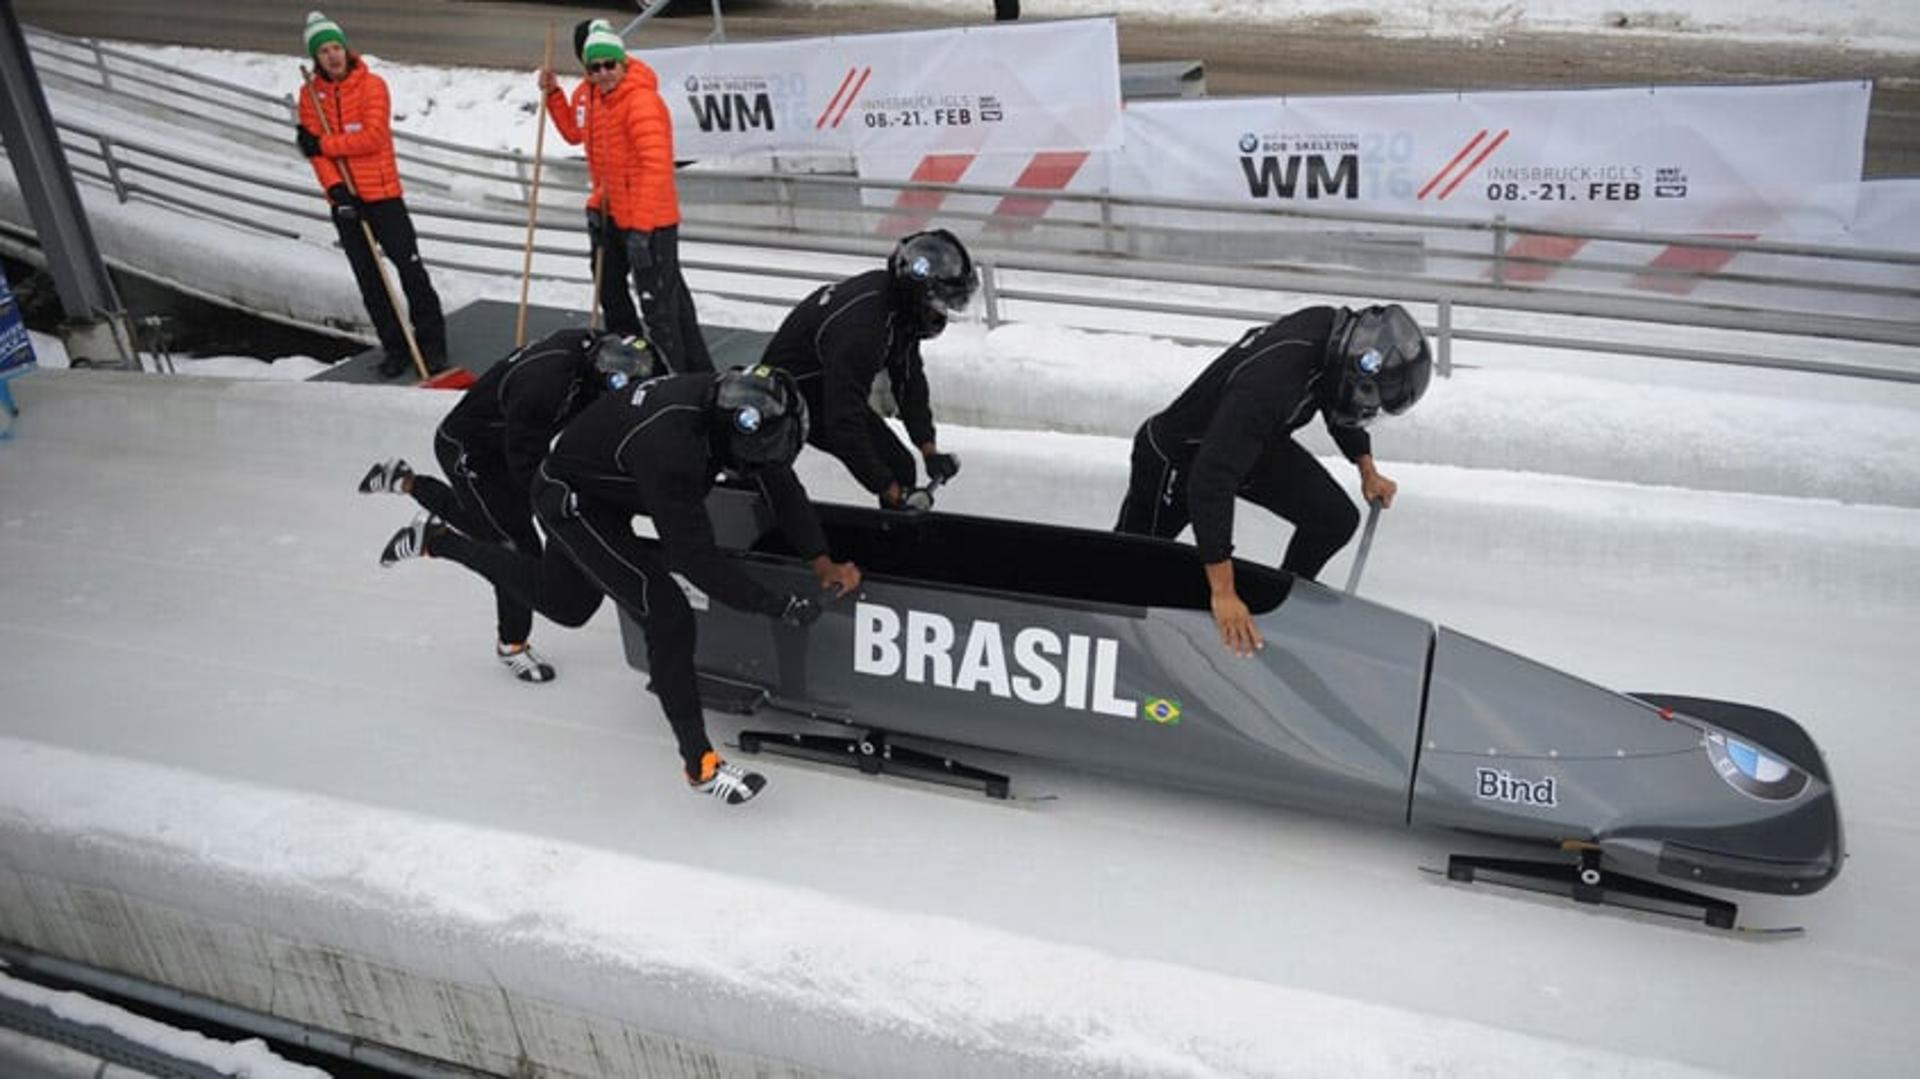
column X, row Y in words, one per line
column 1584, row 881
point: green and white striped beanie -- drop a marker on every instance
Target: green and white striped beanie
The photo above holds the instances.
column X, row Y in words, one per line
column 321, row 30
column 602, row 43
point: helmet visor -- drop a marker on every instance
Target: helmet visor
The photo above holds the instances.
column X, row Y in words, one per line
column 950, row 295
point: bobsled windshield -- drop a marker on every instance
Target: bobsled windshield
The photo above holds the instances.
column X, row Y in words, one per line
column 1042, row 561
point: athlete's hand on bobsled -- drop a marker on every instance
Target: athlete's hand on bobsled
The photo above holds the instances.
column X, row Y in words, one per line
column 800, row 611
column 838, row 578
column 1237, row 630
column 943, row 466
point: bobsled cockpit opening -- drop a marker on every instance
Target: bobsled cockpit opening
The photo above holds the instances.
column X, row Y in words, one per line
column 1042, row 561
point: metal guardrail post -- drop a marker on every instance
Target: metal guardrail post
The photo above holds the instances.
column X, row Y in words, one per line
column 293, row 107
column 113, row 168
column 990, row 294
column 1500, row 249
column 522, row 172
column 100, row 63
column 1106, row 222
column 1444, row 331
column 783, row 193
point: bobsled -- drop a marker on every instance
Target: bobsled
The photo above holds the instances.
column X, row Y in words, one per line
column 1098, row 651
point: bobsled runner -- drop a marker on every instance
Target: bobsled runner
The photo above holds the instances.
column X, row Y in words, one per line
column 1098, row 651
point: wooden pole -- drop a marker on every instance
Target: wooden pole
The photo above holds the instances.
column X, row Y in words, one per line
column 533, row 203
column 346, row 176
column 599, row 256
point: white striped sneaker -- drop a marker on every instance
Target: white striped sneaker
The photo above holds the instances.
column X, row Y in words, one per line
column 411, row 541
column 728, row 782
column 526, row 664
column 386, row 476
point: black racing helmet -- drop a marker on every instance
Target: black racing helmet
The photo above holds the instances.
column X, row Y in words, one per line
column 622, row 359
column 761, row 417
column 1377, row 361
column 933, row 277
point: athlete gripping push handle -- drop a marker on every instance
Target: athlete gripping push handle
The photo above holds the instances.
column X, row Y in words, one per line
column 842, row 336
column 1230, row 434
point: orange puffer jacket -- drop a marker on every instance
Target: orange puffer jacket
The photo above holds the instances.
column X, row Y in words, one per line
column 629, row 140
column 360, row 117
column 572, row 116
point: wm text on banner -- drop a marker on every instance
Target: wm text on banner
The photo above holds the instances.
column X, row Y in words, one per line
column 1005, row 88
column 1778, row 159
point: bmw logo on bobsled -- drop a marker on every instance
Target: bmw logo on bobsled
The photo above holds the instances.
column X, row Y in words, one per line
column 1098, row 650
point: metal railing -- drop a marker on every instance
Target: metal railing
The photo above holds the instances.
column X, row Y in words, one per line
column 1790, row 291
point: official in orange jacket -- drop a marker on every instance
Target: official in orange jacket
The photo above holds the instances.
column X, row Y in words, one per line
column 352, row 155
column 574, row 116
column 620, row 117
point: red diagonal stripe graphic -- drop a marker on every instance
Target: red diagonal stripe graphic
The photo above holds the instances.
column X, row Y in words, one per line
column 1484, row 154
column 828, row 111
column 1442, row 174
column 913, row 209
column 1050, row 170
column 1548, row 249
column 1698, row 260
column 853, row 95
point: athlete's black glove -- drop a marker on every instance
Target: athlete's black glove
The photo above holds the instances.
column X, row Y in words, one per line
column 943, row 466
column 800, row 611
column 308, row 142
column 346, row 205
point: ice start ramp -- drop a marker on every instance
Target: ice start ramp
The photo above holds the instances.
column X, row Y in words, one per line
column 239, row 759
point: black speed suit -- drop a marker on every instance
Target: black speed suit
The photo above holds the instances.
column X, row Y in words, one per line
column 648, row 450
column 1230, row 434
column 833, row 344
column 393, row 231
column 494, row 439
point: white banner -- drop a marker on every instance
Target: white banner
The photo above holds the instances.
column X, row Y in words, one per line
column 1006, row 88
column 1779, row 159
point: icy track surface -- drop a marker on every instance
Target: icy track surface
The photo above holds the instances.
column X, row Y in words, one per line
column 206, row 668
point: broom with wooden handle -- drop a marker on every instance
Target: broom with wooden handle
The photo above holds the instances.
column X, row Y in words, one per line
column 379, row 263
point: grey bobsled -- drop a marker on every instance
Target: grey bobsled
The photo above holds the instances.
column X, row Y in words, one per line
column 1098, row 650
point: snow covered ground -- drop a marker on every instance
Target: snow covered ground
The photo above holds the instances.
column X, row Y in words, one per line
column 216, row 704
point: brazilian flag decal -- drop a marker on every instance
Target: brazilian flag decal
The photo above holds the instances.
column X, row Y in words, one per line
column 1162, row 710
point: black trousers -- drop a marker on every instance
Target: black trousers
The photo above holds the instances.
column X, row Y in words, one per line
column 393, row 230
column 1287, row 481
column 592, row 553
column 609, row 247
column 665, row 304
column 898, row 459
column 481, row 500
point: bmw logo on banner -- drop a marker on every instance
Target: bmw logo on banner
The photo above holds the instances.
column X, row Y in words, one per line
column 1753, row 771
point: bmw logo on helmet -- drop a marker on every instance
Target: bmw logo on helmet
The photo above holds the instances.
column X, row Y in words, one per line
column 1370, row 362
column 747, row 420
column 1753, row 771
column 921, row 267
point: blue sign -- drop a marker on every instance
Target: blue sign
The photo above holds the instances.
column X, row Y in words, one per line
column 16, row 348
